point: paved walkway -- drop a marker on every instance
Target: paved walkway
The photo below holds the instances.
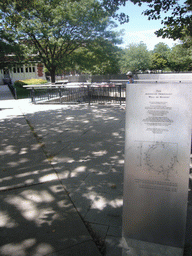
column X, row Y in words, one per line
column 62, row 176
column 5, row 93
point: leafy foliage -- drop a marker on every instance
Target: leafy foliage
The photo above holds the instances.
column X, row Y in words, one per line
column 180, row 58
column 19, row 84
column 101, row 57
column 77, row 35
column 162, row 49
column 159, row 57
column 179, row 24
column 135, row 58
column 56, row 29
column 158, row 62
column 9, row 46
column 23, row 92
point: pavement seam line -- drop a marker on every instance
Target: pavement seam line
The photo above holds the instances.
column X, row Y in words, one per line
column 22, row 186
column 95, row 239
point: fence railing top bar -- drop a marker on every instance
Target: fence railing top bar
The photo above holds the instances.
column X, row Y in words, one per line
column 55, row 85
column 155, row 80
column 40, row 85
column 115, row 82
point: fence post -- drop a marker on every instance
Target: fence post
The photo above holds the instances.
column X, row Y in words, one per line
column 33, row 94
column 89, row 99
column 15, row 93
column 60, row 93
column 120, row 93
column 48, row 93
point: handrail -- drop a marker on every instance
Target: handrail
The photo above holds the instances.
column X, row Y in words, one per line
column 77, row 93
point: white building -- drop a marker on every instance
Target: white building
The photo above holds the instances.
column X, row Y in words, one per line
column 22, row 72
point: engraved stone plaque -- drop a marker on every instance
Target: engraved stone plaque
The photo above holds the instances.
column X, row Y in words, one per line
column 157, row 154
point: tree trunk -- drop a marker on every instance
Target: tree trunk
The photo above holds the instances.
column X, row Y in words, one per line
column 52, row 71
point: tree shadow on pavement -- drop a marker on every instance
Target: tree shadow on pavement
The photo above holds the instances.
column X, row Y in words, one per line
column 86, row 148
column 37, row 216
column 75, row 157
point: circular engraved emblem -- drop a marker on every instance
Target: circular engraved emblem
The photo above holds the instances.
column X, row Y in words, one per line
column 160, row 158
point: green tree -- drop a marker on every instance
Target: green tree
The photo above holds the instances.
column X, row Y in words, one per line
column 56, row 29
column 180, row 58
column 158, row 62
column 159, row 56
column 162, row 49
column 135, row 57
column 101, row 57
column 8, row 46
column 179, row 24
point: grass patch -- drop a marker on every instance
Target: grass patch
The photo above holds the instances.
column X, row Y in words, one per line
column 34, row 81
column 24, row 92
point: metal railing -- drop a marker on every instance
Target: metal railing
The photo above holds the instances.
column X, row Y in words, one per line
column 88, row 94
column 114, row 94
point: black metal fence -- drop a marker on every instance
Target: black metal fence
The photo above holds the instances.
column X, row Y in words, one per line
column 87, row 94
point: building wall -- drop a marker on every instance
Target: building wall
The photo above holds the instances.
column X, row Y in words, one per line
column 24, row 72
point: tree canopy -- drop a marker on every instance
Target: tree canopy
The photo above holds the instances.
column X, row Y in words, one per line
column 101, row 57
column 56, row 29
column 77, row 34
column 159, row 57
column 7, row 46
column 180, row 58
column 162, row 49
column 135, row 58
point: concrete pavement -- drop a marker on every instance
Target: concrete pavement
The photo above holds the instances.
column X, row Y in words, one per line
column 37, row 215
column 61, row 180
column 5, row 93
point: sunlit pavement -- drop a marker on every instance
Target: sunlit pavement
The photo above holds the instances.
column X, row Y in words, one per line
column 61, row 175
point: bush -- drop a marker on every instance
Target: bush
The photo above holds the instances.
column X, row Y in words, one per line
column 23, row 92
column 19, row 84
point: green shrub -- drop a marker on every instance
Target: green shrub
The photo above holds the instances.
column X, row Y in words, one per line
column 19, row 84
column 23, row 92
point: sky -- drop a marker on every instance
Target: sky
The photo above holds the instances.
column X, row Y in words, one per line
column 139, row 28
